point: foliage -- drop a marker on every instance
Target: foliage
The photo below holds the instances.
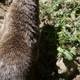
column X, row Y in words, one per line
column 65, row 15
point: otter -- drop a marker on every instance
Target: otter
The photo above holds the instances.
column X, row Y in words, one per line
column 19, row 41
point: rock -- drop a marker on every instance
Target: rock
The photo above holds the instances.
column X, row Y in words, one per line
column 77, row 77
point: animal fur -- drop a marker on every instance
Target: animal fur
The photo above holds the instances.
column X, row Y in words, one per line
column 19, row 40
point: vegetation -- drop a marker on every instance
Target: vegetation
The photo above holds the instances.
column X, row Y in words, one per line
column 65, row 16
column 60, row 36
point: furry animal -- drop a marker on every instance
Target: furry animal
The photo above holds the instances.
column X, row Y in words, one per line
column 7, row 2
column 19, row 41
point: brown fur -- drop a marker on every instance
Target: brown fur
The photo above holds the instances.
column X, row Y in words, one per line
column 19, row 40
